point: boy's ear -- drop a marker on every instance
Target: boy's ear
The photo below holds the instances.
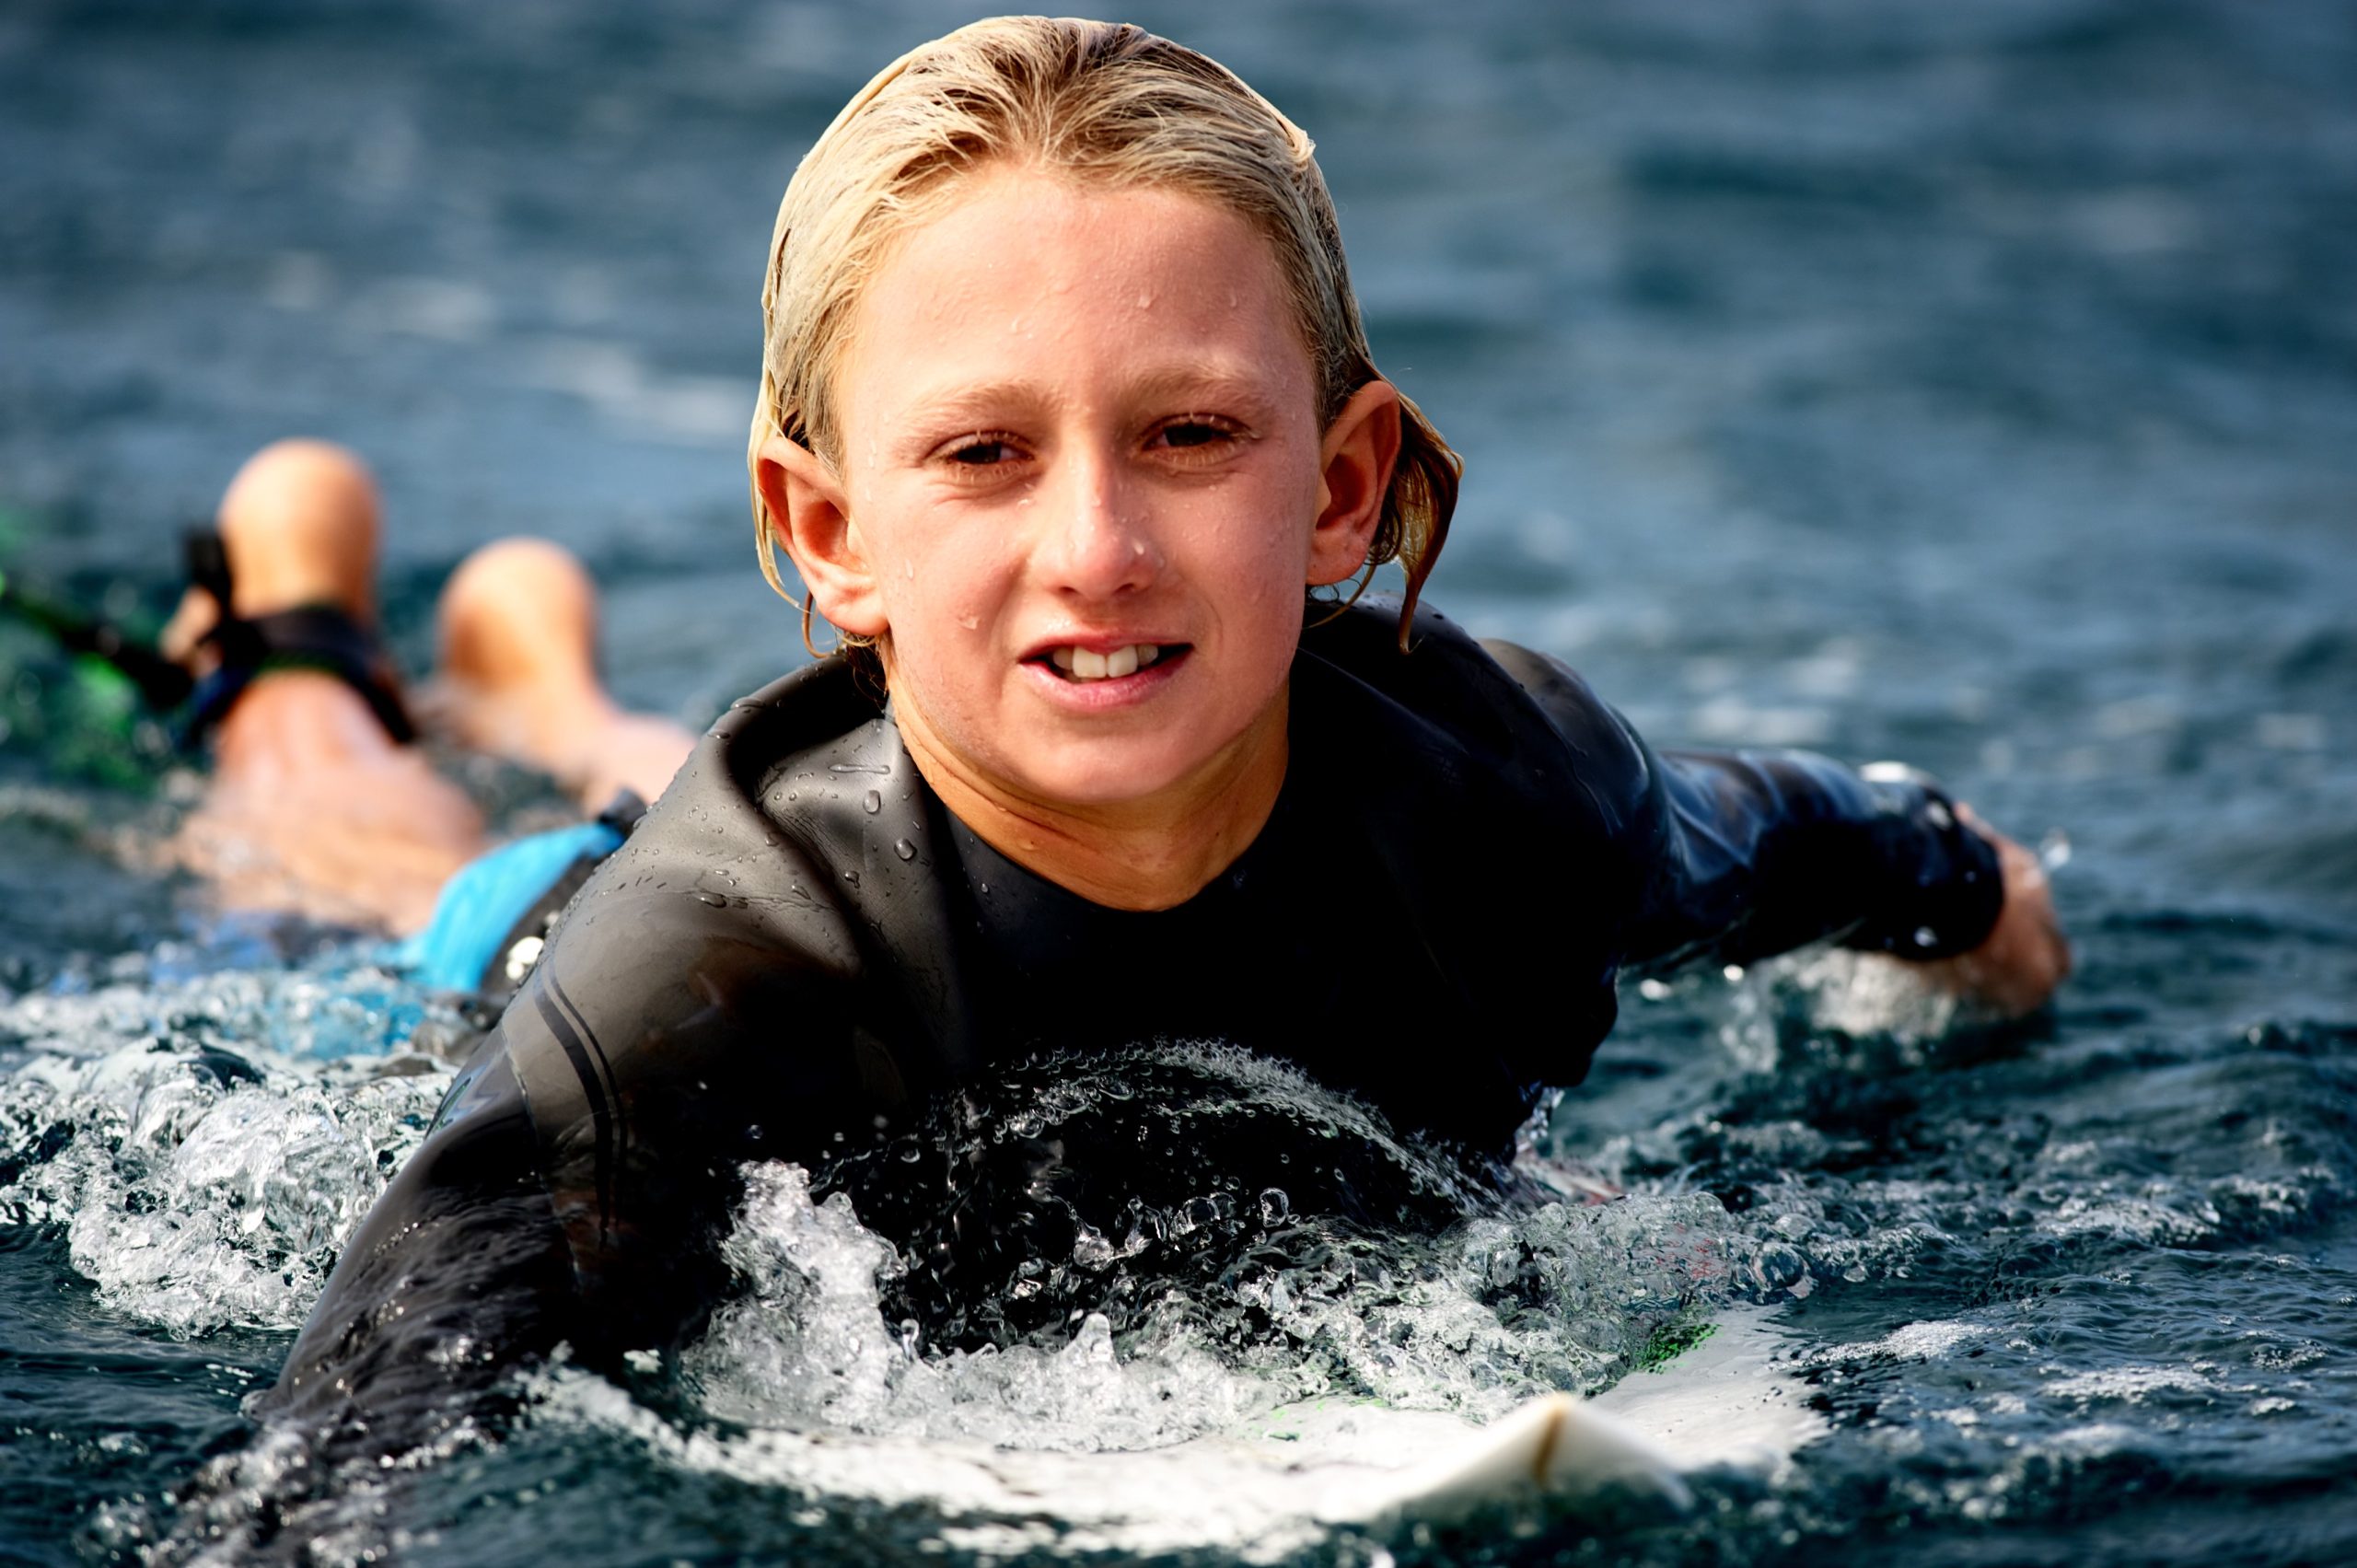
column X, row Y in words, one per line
column 811, row 511
column 1361, row 449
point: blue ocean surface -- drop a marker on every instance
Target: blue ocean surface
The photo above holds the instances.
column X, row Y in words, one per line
column 1970, row 385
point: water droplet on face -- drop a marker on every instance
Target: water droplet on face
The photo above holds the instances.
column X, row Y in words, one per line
column 904, row 849
column 873, row 802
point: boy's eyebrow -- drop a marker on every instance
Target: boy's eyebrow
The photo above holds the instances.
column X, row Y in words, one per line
column 1210, row 387
column 1214, row 383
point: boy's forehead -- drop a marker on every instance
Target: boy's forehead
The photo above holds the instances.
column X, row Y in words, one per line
column 1021, row 229
column 1030, row 280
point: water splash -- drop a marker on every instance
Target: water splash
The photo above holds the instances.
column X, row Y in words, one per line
column 207, row 1144
column 1138, row 1303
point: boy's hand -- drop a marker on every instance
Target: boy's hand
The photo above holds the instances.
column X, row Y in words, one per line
column 2025, row 956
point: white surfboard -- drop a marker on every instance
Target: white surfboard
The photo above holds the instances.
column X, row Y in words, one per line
column 1724, row 1404
column 1277, row 1484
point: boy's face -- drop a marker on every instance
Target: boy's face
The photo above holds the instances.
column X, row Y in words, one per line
column 1082, row 467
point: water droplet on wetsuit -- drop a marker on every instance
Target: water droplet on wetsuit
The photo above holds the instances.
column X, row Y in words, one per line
column 904, row 849
column 873, row 802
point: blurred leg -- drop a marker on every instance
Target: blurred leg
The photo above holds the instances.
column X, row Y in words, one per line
column 311, row 806
column 518, row 676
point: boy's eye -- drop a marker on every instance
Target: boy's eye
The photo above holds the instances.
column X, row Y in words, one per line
column 1191, row 433
column 981, row 452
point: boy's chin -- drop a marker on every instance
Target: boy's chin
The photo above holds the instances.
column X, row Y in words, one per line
column 1112, row 773
column 1110, row 781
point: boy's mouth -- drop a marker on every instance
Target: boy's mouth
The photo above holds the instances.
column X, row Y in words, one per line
column 1081, row 665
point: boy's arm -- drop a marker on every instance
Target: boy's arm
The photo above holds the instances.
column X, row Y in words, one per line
column 1748, row 853
column 1736, row 856
column 578, row 1180
column 458, row 1271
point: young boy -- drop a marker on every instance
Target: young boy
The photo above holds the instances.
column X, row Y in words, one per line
column 1069, row 424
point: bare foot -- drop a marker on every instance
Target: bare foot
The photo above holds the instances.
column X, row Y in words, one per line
column 299, row 523
column 517, row 677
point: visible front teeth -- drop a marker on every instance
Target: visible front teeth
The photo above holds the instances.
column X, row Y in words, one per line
column 1087, row 664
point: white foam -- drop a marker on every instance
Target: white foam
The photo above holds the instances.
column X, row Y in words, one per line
column 1911, row 1342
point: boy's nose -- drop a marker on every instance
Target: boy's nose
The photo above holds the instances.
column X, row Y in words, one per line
column 1100, row 538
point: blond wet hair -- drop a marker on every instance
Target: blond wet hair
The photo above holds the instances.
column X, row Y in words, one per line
column 1100, row 101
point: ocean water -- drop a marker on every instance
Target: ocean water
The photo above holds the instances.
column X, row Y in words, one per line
column 1971, row 385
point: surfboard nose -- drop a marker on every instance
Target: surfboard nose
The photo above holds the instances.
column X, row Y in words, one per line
column 1556, row 1445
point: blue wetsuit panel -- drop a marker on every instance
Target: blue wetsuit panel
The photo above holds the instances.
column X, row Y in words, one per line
column 482, row 902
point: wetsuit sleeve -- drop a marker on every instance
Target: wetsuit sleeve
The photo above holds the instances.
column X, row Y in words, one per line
column 576, row 1184
column 460, row 1271
column 1735, row 855
column 706, row 1000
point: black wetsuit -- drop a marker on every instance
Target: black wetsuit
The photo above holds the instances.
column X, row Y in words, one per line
column 799, row 945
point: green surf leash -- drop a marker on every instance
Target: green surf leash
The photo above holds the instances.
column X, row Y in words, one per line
column 161, row 684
